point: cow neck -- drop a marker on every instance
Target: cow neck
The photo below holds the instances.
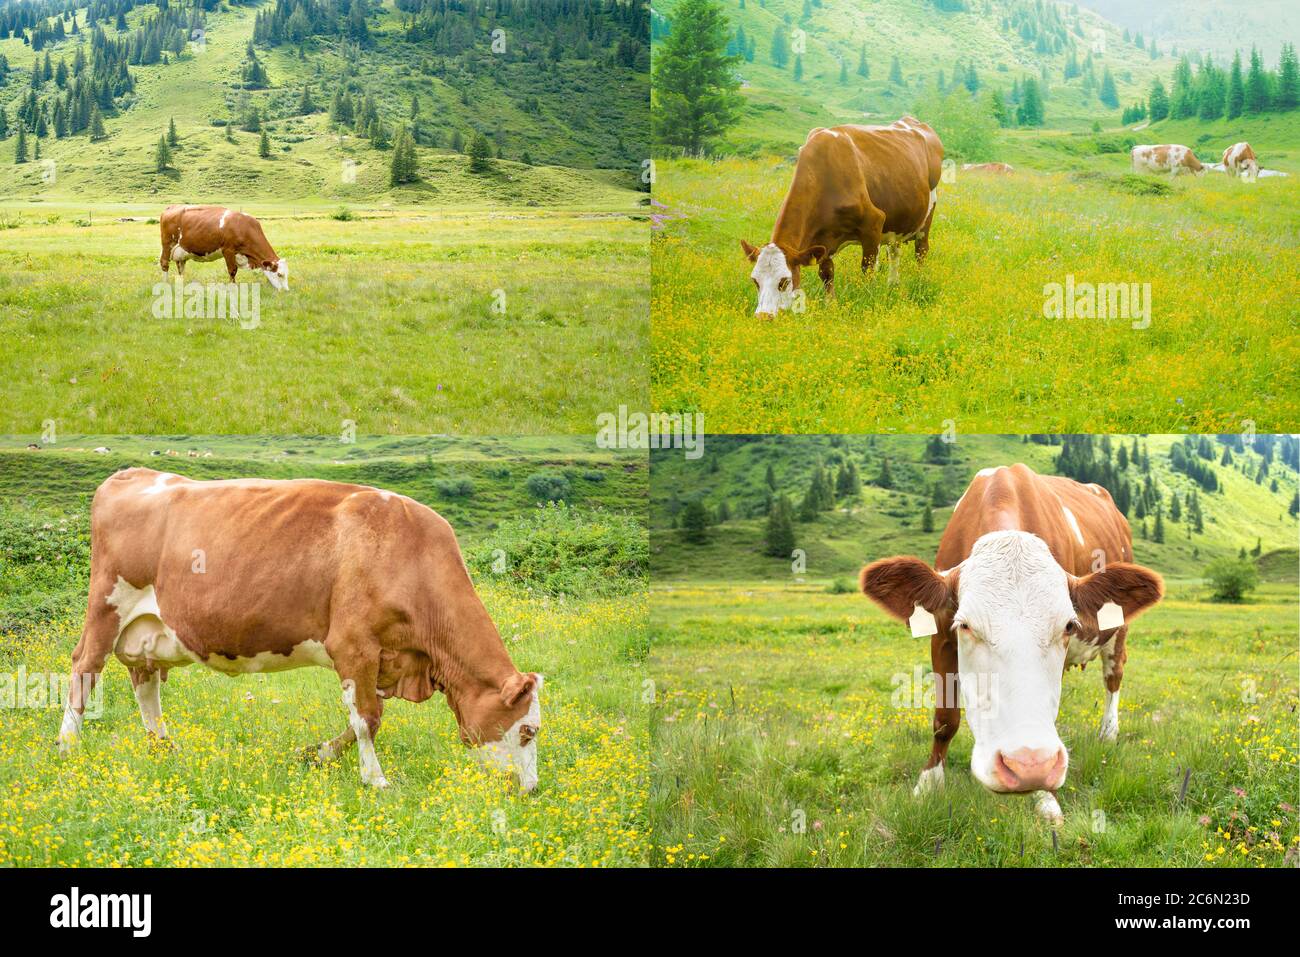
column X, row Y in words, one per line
column 469, row 658
column 791, row 230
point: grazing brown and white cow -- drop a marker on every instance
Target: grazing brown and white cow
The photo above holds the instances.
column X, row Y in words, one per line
column 987, row 168
column 852, row 184
column 206, row 233
column 1239, row 160
column 252, row 575
column 1167, row 158
column 1025, row 567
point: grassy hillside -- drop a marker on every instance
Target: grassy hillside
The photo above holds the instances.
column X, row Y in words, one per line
column 780, row 110
column 582, row 122
column 1208, row 25
column 880, row 522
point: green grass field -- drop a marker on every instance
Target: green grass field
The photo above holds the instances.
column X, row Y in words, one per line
column 503, row 302
column 390, row 321
column 963, row 337
column 233, row 791
column 775, row 742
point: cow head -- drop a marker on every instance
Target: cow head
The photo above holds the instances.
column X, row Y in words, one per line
column 776, row 274
column 277, row 273
column 503, row 726
column 1012, row 611
column 1248, row 170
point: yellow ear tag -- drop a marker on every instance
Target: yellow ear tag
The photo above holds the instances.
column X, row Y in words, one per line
column 923, row 623
column 1109, row 616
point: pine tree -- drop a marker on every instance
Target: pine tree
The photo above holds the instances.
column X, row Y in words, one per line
column 172, row 138
column 695, row 98
column 1236, row 101
column 780, row 49
column 927, row 519
column 162, row 157
column 20, row 149
column 1288, row 80
column 778, row 537
column 1257, row 93
column 896, row 72
column 864, row 71
column 1157, row 101
column 695, row 522
column 480, row 153
column 1108, row 95
column 264, row 146
column 96, row 124
column 770, row 477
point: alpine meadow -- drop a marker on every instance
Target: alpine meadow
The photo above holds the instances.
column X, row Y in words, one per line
column 456, row 187
column 1038, row 210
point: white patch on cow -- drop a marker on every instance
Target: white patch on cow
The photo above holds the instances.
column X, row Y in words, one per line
column 1047, row 807
column 144, row 640
column 332, row 749
column 221, row 224
column 371, row 773
column 1080, row 652
column 70, row 729
column 985, row 473
column 1014, row 601
column 148, row 694
column 159, row 483
column 508, row 754
column 305, row 654
column 1073, row 523
column 180, row 254
column 279, row 276
column 1109, row 730
column 771, row 272
column 931, row 779
column 241, row 260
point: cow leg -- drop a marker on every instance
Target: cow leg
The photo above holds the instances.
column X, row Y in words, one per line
column 1048, row 808
column 947, row 712
column 826, row 269
column 1113, row 655
column 870, row 238
column 330, row 750
column 232, row 267
column 922, row 241
column 180, row 268
column 148, row 694
column 365, row 709
column 98, row 636
column 166, row 258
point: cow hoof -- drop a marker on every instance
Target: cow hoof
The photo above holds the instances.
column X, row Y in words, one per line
column 311, row 755
column 159, row 742
column 1048, row 809
column 380, row 782
column 68, row 744
column 931, row 779
column 1109, row 733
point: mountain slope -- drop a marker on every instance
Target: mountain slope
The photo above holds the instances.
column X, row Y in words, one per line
column 880, row 522
column 1212, row 26
column 1004, row 40
column 576, row 108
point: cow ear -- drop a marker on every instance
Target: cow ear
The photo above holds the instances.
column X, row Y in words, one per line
column 807, row 256
column 515, row 687
column 1132, row 587
column 751, row 252
column 898, row 585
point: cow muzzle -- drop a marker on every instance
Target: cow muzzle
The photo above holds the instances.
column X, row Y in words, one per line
column 1030, row 769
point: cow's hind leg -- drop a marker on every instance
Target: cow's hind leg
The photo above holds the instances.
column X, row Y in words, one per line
column 922, row 241
column 1113, row 655
column 870, row 238
column 148, row 694
column 98, row 636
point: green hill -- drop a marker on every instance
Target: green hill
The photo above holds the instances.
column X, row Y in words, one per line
column 1208, row 25
column 562, row 105
column 877, row 522
column 1003, row 40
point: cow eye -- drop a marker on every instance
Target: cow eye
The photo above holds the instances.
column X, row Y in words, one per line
column 784, row 284
column 1072, row 626
column 527, row 733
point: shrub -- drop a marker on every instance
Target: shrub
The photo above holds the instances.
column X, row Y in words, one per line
column 44, row 569
column 560, row 550
column 454, row 488
column 548, row 486
column 1231, row 578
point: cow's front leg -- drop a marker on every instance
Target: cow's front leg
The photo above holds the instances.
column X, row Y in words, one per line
column 98, row 635
column 330, row 750
column 1047, row 807
column 365, row 709
column 826, row 270
column 1113, row 655
column 947, row 713
column 232, row 266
